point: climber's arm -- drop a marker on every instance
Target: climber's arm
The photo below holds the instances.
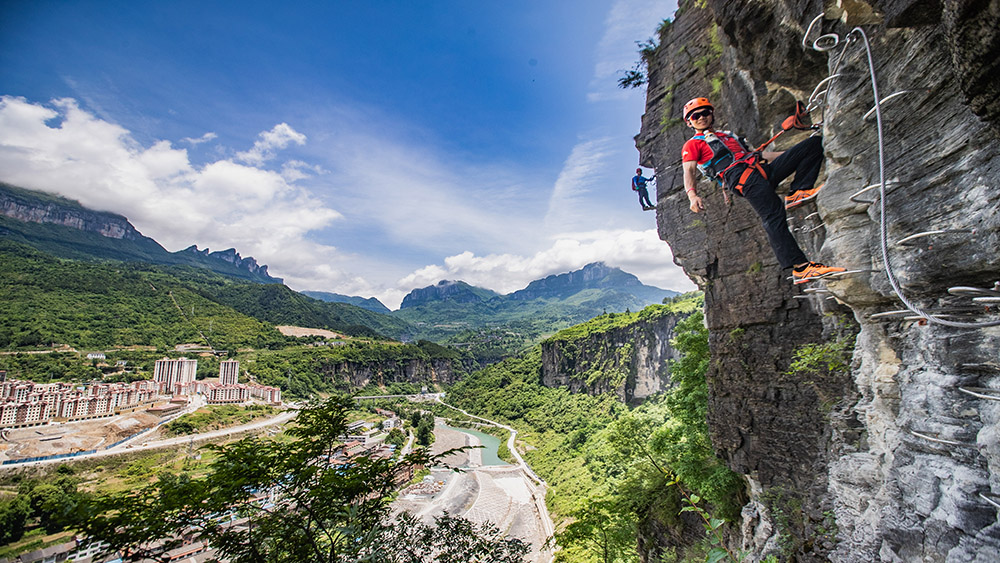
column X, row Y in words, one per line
column 690, row 185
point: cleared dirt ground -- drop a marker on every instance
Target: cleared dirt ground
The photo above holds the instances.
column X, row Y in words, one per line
column 60, row 438
column 501, row 495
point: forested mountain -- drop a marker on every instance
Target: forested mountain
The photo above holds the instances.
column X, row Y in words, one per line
column 369, row 303
column 64, row 228
column 96, row 305
column 494, row 326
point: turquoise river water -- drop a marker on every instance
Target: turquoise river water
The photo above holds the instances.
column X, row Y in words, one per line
column 492, row 444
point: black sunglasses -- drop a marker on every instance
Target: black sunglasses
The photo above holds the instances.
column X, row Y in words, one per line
column 700, row 114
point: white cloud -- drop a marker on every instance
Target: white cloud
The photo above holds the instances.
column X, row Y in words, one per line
column 221, row 204
column 203, row 139
column 638, row 252
column 269, row 142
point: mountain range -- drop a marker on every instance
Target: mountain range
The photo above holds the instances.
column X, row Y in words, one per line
column 488, row 323
column 64, row 228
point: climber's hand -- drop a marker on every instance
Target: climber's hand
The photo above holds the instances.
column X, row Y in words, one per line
column 696, row 204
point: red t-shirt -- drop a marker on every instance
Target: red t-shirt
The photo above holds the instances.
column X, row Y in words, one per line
column 699, row 151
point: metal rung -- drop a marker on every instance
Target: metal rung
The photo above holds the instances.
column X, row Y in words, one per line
column 833, row 275
column 816, row 290
column 987, row 300
column 868, row 189
column 826, row 42
column 932, row 233
column 809, row 30
column 854, row 196
column 981, row 393
column 871, row 112
column 816, row 228
column 989, row 500
column 887, row 314
column 815, row 104
column 908, row 315
column 967, row 291
column 811, row 215
column 941, row 440
column 816, row 93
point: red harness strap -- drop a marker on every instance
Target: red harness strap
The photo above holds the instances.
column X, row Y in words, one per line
column 753, row 163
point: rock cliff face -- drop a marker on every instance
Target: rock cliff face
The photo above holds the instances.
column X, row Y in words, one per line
column 358, row 375
column 82, row 233
column 890, row 459
column 231, row 256
column 630, row 361
column 25, row 206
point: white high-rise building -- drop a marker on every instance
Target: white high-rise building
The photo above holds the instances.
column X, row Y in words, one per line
column 229, row 372
column 169, row 372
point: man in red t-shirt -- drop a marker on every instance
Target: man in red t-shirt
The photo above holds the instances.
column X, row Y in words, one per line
column 804, row 159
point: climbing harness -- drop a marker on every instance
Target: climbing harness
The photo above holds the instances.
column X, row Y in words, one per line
column 722, row 158
column 818, row 99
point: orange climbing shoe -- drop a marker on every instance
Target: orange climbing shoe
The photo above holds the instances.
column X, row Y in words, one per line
column 814, row 271
column 796, row 199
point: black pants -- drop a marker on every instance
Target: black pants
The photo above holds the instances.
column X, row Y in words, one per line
column 644, row 197
column 804, row 159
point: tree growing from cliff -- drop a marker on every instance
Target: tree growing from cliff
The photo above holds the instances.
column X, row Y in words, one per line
column 289, row 501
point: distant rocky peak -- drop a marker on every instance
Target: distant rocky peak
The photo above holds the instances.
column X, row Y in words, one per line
column 457, row 291
column 594, row 275
column 231, row 256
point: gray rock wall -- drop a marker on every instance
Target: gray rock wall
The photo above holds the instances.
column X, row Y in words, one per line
column 356, row 375
column 631, row 361
column 888, row 460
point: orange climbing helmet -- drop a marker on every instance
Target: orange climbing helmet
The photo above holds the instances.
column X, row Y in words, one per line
column 697, row 103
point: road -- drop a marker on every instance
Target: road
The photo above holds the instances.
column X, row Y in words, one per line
column 128, row 446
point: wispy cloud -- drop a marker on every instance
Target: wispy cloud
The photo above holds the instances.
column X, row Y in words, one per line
column 269, row 142
column 203, row 139
column 628, row 22
column 583, row 170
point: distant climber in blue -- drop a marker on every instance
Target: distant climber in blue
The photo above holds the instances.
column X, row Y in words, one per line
column 639, row 185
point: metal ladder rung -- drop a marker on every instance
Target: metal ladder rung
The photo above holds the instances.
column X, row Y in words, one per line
column 887, row 314
column 981, row 393
column 986, row 300
column 868, row 188
column 989, row 500
column 941, row 440
column 811, row 215
column 816, row 290
column 931, row 233
column 833, row 275
column 968, row 291
column 871, row 112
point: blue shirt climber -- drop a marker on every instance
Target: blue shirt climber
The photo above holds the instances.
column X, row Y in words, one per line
column 639, row 185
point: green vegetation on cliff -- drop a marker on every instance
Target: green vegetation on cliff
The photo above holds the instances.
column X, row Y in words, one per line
column 610, row 469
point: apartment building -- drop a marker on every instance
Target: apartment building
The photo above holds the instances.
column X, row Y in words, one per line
column 229, row 372
column 168, row 372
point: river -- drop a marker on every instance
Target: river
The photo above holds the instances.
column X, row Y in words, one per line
column 491, row 443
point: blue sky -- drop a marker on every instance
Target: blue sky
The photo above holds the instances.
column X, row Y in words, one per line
column 364, row 148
